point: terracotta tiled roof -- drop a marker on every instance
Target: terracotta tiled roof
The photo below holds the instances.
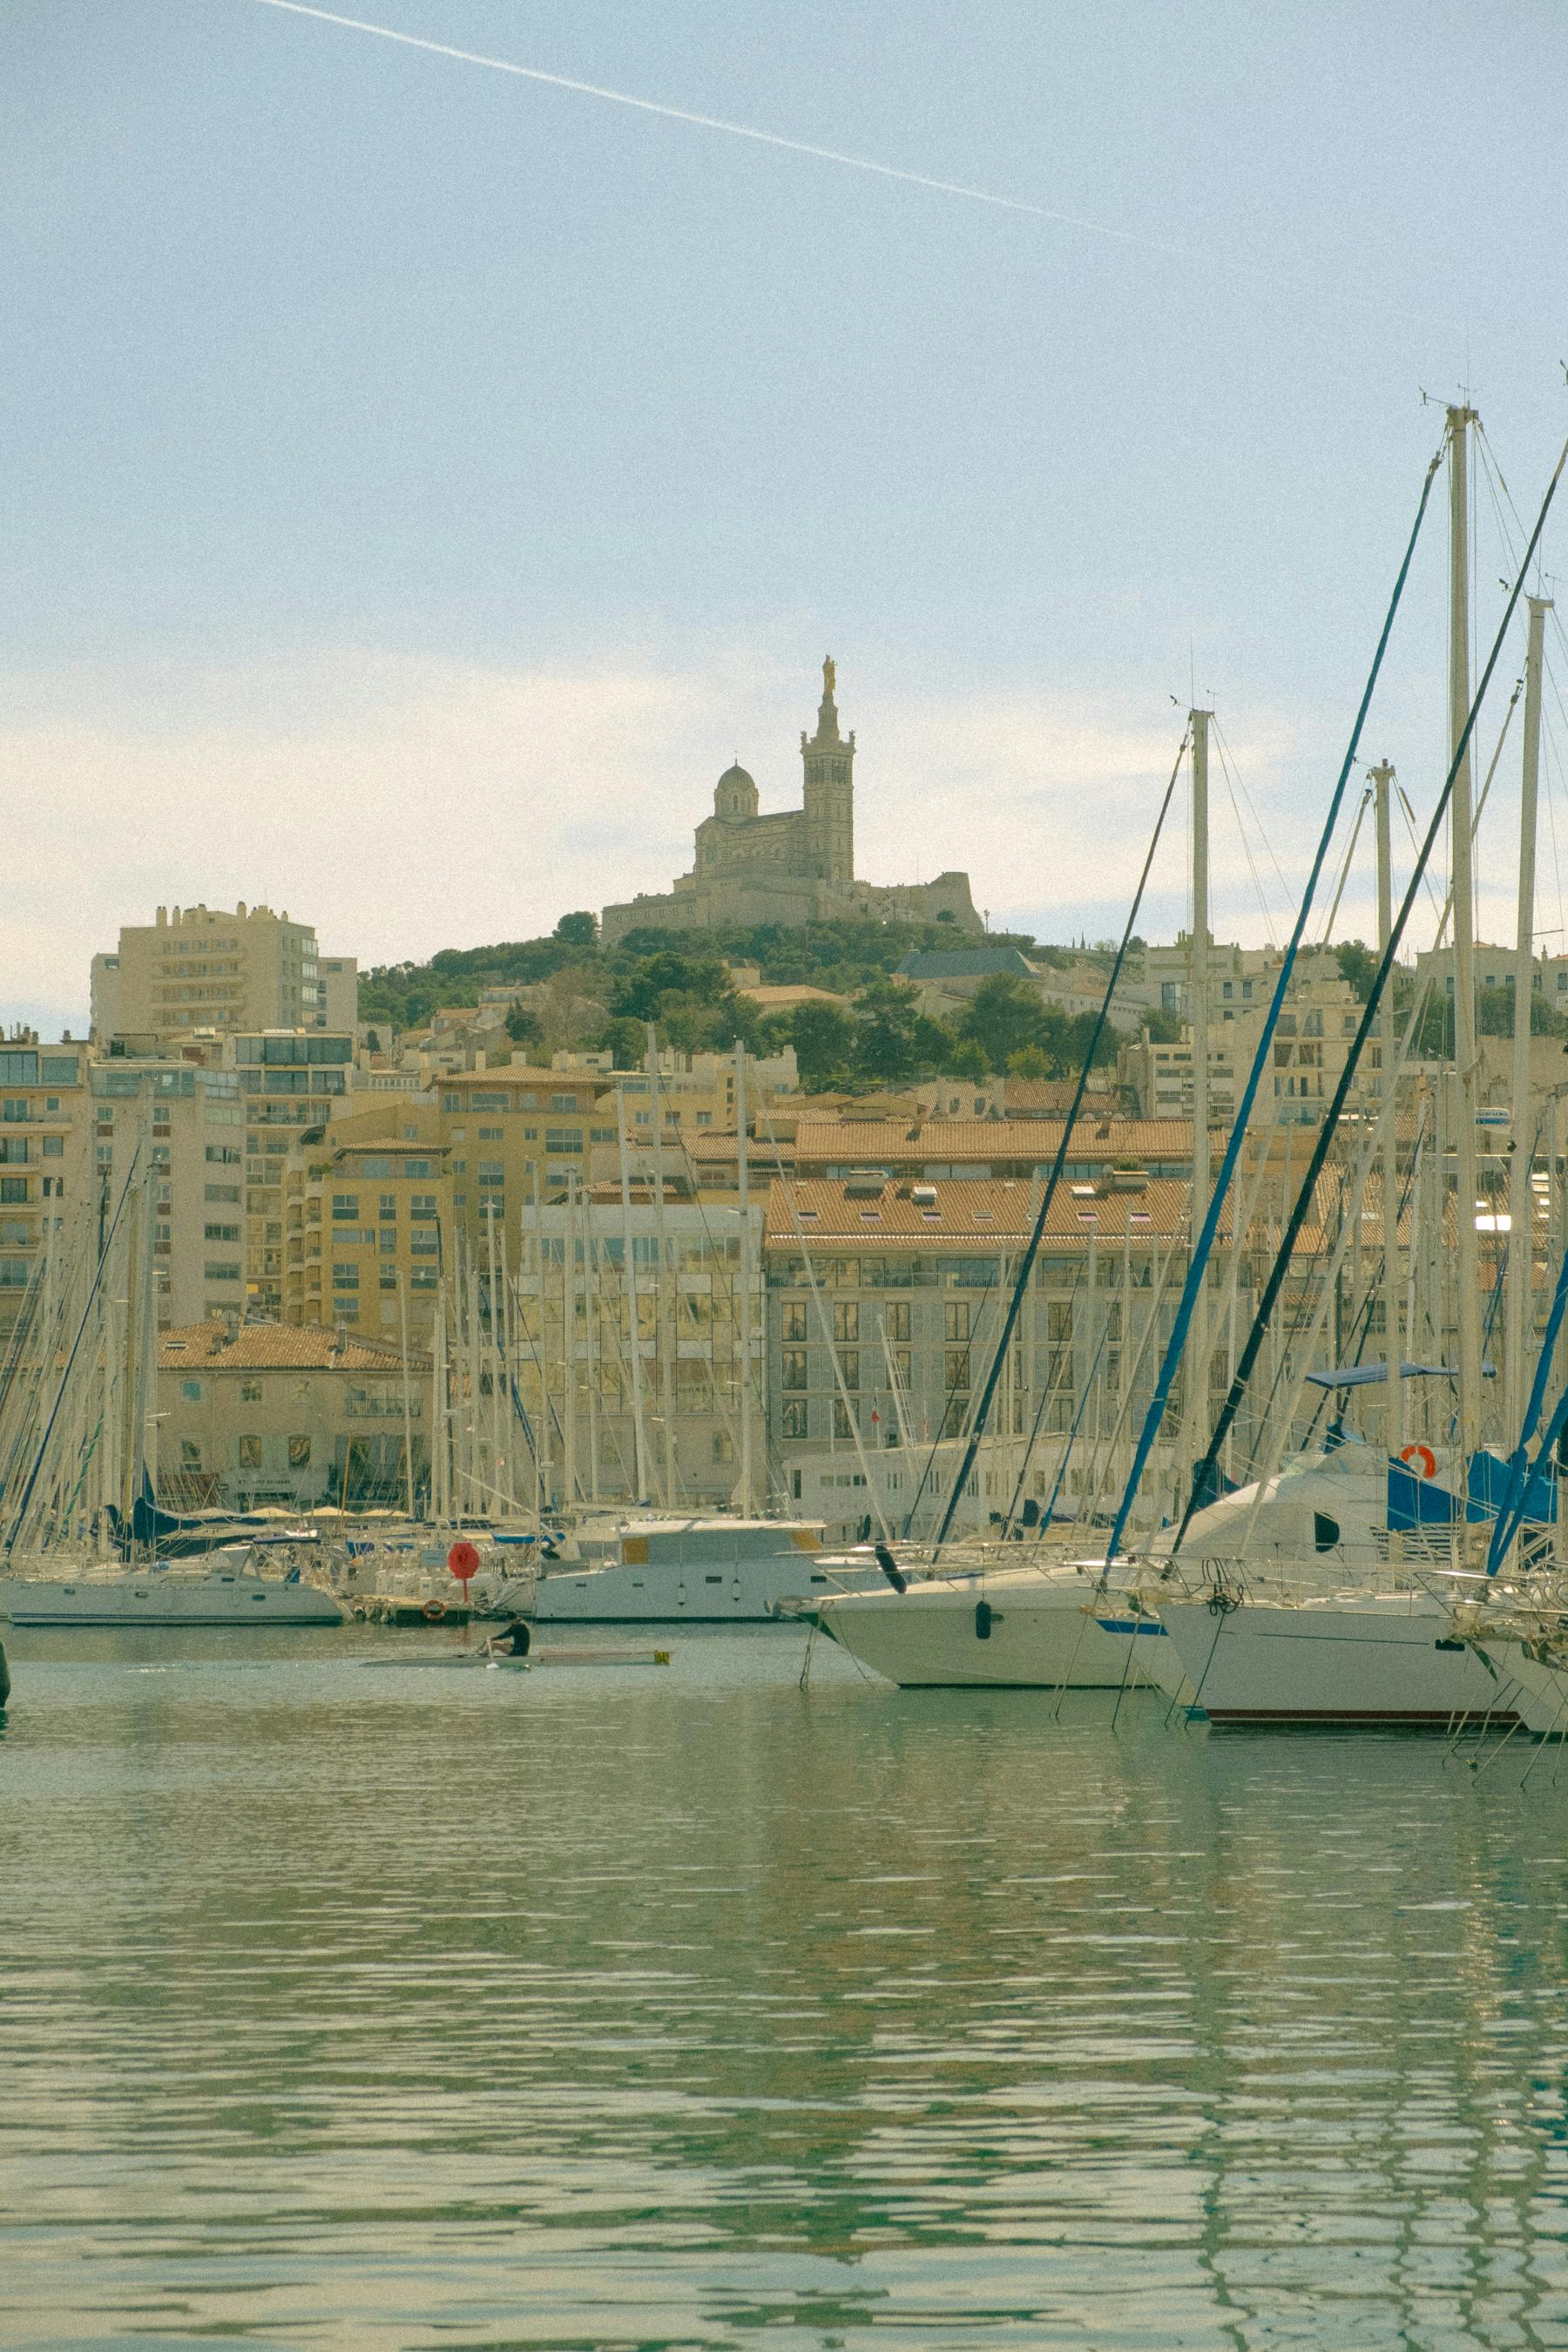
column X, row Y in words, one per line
column 1095, row 1136
column 990, row 1210
column 276, row 1347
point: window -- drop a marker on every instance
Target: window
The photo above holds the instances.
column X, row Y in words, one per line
column 299, row 1454
column 387, row 1278
column 16, row 1232
column 220, row 1272
column 19, row 1069
column 849, row 1367
column 842, row 1426
column 902, row 1366
column 223, row 1155
column 563, row 1102
column 793, row 1423
column 420, row 1170
column 220, row 1232
column 793, row 1320
column 492, row 1134
column 13, row 1273
column 388, row 1206
column 492, row 1172
column 249, row 1453
column 792, row 1373
column 895, row 1318
column 345, row 1208
column 563, row 1138
column 345, row 1277
column 424, row 1278
column 191, row 1390
column 845, row 1320
column 54, row 1147
column 60, row 1069
column 955, row 1368
column 13, row 1147
column 13, row 1188
column 423, row 1204
column 1058, row 1319
column 190, row 1453
column 250, row 1391
column 955, row 1319
column 724, row 1446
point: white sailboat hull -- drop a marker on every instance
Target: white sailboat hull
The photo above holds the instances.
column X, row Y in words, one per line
column 1042, row 1633
column 1389, row 1659
column 698, row 1571
column 159, row 1596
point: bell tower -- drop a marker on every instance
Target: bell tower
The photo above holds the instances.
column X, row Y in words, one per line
column 829, row 761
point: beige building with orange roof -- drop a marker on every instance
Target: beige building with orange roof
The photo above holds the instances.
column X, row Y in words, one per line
column 885, row 1301
column 264, row 1415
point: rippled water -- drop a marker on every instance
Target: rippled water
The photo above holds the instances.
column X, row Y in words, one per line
column 620, row 2007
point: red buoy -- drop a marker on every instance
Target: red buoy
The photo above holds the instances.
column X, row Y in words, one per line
column 463, row 1560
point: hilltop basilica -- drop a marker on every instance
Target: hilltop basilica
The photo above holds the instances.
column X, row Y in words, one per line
column 797, row 866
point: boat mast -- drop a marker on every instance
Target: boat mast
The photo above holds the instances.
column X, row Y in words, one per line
column 743, row 1180
column 1196, row 1377
column 1392, row 1338
column 1521, row 1199
column 662, row 1307
column 629, row 1293
column 1461, row 822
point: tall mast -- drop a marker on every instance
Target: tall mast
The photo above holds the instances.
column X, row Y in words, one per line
column 1195, row 1378
column 742, row 1175
column 1521, row 1199
column 661, row 1297
column 1392, row 1338
column 629, row 1293
column 1461, row 823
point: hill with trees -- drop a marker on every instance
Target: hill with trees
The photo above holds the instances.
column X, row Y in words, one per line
column 580, row 995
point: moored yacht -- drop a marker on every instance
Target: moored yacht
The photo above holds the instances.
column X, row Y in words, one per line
column 225, row 1587
column 724, row 1570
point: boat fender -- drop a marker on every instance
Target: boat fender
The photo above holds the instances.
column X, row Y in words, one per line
column 1419, row 1458
column 890, row 1569
column 433, row 1611
column 983, row 1617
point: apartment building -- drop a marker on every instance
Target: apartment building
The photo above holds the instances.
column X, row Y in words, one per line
column 200, row 967
column 289, row 1080
column 885, row 1301
column 44, row 1120
column 190, row 1120
column 657, row 1343
column 367, row 1231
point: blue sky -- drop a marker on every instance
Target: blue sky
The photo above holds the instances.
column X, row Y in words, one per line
column 418, row 482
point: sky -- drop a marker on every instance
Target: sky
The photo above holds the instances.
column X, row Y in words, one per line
column 417, row 481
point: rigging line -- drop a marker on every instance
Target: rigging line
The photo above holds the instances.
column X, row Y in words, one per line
column 1245, row 845
column 1279, row 1269
column 1032, row 1249
column 1197, row 1262
column 1135, row 238
column 1332, row 915
column 1229, row 760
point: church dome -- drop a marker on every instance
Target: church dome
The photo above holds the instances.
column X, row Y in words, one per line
column 735, row 795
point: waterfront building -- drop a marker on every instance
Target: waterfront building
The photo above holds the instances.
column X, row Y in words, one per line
column 607, row 1346
column 789, row 866
column 264, row 1415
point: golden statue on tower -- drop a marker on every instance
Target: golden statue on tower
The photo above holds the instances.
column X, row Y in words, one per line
column 829, row 677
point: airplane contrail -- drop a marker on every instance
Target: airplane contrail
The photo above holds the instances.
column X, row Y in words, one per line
column 774, row 139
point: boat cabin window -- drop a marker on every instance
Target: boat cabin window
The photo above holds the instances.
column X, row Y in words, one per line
column 1325, row 1531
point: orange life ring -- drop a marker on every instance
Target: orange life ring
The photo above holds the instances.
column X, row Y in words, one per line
column 433, row 1611
column 1419, row 1458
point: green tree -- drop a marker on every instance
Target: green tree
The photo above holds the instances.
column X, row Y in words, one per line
column 1358, row 965
column 823, row 1041
column 1004, row 1016
column 967, row 1062
column 579, row 931
column 522, row 1026
column 1028, row 1062
column 1161, row 1026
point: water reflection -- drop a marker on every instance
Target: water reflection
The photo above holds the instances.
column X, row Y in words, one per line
column 618, row 2008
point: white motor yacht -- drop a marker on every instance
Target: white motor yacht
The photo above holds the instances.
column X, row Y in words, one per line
column 717, row 1570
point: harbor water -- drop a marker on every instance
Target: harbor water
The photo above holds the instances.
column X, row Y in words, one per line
column 622, row 2006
